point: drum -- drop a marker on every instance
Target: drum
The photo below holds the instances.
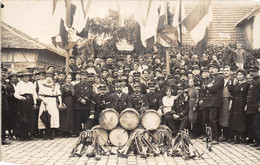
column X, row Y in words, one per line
column 118, row 136
column 129, row 119
column 108, row 119
column 162, row 128
column 103, row 133
column 151, row 120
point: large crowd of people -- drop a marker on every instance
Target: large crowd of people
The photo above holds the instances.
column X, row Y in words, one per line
column 220, row 89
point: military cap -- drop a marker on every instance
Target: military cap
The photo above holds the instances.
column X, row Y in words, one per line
column 49, row 74
column 78, row 72
column 51, row 66
column 102, row 87
column 137, row 84
column 170, row 76
column 205, row 69
column 127, row 69
column 136, row 74
column 116, row 81
column 104, row 69
column 180, row 87
column 91, row 74
column 241, row 71
column 61, row 72
column 72, row 57
column 160, row 78
column 253, row 69
column 109, row 66
column 151, row 84
column 183, row 74
column 84, row 72
column 120, row 58
column 110, row 75
column 195, row 67
column 215, row 65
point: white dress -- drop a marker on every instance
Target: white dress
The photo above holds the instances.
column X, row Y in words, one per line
column 50, row 95
column 167, row 103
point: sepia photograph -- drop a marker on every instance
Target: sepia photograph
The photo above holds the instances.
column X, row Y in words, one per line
column 130, row 82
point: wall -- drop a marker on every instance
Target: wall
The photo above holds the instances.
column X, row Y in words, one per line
column 256, row 31
column 249, row 33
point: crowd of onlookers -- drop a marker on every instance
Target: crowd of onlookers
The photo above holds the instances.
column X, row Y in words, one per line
column 220, row 89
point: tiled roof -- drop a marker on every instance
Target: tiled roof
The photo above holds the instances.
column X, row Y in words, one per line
column 248, row 16
column 225, row 16
column 14, row 38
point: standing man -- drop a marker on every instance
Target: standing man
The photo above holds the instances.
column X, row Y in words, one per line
column 83, row 96
column 240, row 56
column 224, row 111
column 213, row 101
column 253, row 107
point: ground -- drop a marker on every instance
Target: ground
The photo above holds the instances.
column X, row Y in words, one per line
column 57, row 152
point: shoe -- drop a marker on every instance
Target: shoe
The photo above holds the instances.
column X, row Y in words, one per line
column 5, row 142
column 214, row 142
column 254, row 145
column 222, row 139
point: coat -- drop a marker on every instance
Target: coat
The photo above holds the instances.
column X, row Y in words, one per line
column 119, row 104
column 214, row 94
column 253, row 97
column 83, row 91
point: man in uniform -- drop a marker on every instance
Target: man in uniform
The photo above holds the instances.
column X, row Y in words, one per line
column 213, row 101
column 99, row 102
column 154, row 99
column 119, row 100
column 177, row 119
column 253, row 107
column 138, row 100
column 137, row 78
column 83, row 96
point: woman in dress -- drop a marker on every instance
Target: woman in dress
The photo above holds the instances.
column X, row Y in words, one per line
column 26, row 95
column 237, row 117
column 66, row 116
column 49, row 92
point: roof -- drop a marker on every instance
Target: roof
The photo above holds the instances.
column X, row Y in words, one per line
column 225, row 15
column 14, row 38
column 248, row 16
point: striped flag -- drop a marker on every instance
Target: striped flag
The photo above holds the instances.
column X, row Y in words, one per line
column 198, row 20
column 85, row 8
column 179, row 14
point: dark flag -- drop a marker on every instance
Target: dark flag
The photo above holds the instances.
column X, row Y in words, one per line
column 63, row 33
column 84, row 32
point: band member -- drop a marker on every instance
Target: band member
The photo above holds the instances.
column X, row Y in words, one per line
column 153, row 97
column 138, row 100
column 83, row 94
column 99, row 102
column 213, row 101
column 253, row 107
column 119, row 100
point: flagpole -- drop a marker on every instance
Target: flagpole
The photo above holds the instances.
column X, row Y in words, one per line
column 180, row 18
column 167, row 50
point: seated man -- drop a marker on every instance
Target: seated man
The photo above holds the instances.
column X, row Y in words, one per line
column 178, row 118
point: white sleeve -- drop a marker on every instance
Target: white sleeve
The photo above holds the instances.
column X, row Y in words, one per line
column 18, row 91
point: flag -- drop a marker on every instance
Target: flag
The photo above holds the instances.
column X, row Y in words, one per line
column 63, row 33
column 167, row 37
column 179, row 14
column 139, row 46
column 54, row 6
column 84, row 32
column 161, row 21
column 70, row 12
column 198, row 20
column 86, row 8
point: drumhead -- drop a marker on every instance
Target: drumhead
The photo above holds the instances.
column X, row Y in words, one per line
column 102, row 133
column 129, row 119
column 118, row 136
column 151, row 120
column 108, row 119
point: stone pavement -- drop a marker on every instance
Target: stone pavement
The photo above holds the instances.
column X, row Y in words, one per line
column 57, row 152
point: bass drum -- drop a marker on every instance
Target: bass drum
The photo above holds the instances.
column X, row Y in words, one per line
column 129, row 119
column 118, row 136
column 103, row 133
column 108, row 119
column 162, row 129
column 151, row 120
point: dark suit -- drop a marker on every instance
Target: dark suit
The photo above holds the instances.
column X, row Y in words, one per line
column 137, row 101
column 154, row 99
column 119, row 104
column 253, row 115
column 212, row 104
column 82, row 91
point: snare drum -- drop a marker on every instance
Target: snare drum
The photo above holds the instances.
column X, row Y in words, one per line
column 103, row 133
column 118, row 136
column 108, row 119
column 162, row 128
column 129, row 119
column 151, row 120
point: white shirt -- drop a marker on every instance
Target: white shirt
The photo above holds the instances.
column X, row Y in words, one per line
column 168, row 103
column 25, row 88
column 142, row 67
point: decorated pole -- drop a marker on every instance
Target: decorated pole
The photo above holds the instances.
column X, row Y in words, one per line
column 167, row 49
